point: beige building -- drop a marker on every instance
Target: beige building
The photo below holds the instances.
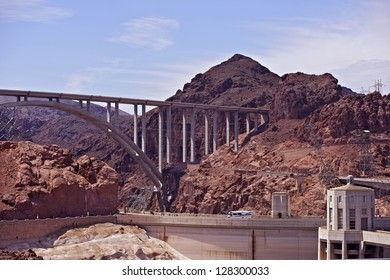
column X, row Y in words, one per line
column 350, row 231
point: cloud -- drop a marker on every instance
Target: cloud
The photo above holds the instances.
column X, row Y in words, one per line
column 31, row 11
column 150, row 32
column 325, row 44
column 82, row 81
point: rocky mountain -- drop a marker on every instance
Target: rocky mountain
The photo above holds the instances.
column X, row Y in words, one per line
column 313, row 125
column 45, row 181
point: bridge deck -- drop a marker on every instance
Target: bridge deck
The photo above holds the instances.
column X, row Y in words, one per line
column 132, row 101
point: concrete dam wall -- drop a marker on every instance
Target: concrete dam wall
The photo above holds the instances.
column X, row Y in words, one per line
column 197, row 237
column 217, row 237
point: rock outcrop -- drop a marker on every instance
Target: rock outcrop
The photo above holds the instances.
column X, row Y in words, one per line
column 44, row 181
column 106, row 242
column 19, row 255
column 353, row 112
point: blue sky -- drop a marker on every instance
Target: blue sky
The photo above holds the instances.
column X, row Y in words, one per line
column 151, row 48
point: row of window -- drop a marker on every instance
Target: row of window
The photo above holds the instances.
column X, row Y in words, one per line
column 352, row 218
column 351, row 199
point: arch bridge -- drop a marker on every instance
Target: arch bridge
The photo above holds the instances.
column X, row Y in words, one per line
column 137, row 150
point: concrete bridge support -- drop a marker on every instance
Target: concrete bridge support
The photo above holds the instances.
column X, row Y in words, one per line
column 143, row 128
column 135, row 124
column 169, row 134
column 184, row 136
column 235, row 131
column 206, row 132
column 227, row 120
column 160, row 139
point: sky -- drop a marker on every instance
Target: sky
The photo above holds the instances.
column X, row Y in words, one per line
column 149, row 49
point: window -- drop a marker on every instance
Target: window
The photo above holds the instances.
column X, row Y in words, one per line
column 330, row 198
column 364, row 223
column 330, row 215
column 364, row 211
column 339, row 218
column 364, row 198
column 339, row 199
column 352, row 219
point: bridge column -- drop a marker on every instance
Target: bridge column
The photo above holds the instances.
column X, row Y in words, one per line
column 135, row 124
column 227, row 119
column 169, row 133
column 18, row 98
column 206, row 133
column 192, row 157
column 184, row 136
column 88, row 105
column 109, row 112
column 116, row 113
column 248, row 124
column 160, row 138
column 215, row 117
column 236, row 131
column 256, row 121
column 143, row 128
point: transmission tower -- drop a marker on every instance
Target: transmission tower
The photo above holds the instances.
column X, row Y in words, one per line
column 378, row 86
column 325, row 170
column 366, row 159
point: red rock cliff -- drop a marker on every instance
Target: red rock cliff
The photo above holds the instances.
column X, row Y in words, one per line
column 44, row 181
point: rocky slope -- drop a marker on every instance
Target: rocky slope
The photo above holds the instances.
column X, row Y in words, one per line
column 45, row 181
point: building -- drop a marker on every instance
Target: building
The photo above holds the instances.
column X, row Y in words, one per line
column 280, row 205
column 351, row 231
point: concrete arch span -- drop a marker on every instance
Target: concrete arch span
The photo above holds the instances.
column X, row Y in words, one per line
column 135, row 152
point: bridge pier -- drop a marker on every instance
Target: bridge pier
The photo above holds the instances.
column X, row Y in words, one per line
column 236, row 131
column 169, row 134
column 215, row 117
column 116, row 112
column 184, row 136
column 248, row 124
column 227, row 119
column 108, row 109
column 160, row 139
column 143, row 128
column 135, row 124
column 206, row 132
column 192, row 156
